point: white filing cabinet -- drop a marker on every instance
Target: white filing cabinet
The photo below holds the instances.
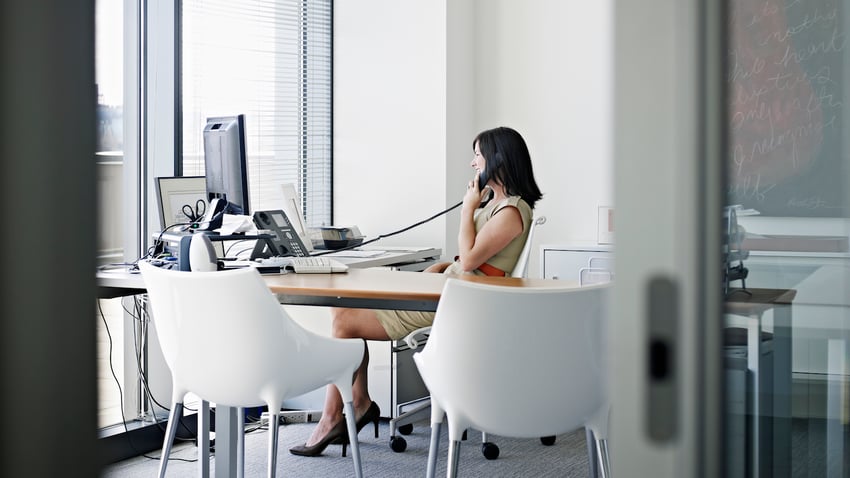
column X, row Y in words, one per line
column 563, row 261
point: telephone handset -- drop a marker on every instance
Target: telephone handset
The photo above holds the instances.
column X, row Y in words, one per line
column 483, row 177
column 285, row 240
column 491, row 166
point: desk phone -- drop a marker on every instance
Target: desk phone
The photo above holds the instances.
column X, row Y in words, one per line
column 285, row 240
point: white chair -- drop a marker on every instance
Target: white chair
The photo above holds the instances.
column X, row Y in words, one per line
column 606, row 263
column 599, row 270
column 594, row 275
column 521, row 268
column 201, row 319
column 518, row 362
column 403, row 422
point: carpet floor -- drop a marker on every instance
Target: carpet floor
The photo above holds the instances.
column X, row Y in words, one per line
column 518, row 457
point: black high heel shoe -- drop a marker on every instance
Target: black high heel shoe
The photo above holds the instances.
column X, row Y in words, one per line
column 373, row 414
column 337, row 435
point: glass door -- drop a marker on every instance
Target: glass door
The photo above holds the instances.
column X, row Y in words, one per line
column 668, row 162
column 731, row 318
column 787, row 320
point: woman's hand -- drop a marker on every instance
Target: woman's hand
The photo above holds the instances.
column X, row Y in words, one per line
column 473, row 197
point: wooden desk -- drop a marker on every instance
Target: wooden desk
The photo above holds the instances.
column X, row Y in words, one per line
column 368, row 288
column 378, row 288
column 769, row 394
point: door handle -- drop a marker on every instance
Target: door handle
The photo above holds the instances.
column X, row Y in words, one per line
column 662, row 375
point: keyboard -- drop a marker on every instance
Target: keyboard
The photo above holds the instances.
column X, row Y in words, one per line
column 305, row 265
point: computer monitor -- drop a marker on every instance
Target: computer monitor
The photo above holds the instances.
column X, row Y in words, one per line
column 225, row 162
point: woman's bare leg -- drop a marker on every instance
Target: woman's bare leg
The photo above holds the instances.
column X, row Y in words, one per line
column 349, row 323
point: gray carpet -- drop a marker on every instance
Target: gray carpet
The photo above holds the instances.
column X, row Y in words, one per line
column 518, row 457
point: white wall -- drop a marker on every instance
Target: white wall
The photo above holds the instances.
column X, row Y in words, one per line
column 389, row 117
column 415, row 81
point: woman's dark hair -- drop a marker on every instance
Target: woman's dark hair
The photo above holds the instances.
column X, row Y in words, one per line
column 509, row 162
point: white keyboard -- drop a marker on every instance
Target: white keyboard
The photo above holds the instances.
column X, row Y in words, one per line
column 305, row 265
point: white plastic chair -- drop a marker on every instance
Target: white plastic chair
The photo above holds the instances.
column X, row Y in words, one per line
column 521, row 268
column 599, row 270
column 201, row 319
column 606, row 263
column 594, row 275
column 403, row 421
column 518, row 362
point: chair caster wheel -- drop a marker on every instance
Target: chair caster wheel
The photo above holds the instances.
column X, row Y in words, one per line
column 490, row 450
column 406, row 429
column 398, row 444
column 548, row 441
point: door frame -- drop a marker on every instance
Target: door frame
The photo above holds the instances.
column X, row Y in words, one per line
column 669, row 142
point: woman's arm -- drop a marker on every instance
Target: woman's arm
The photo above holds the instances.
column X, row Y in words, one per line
column 439, row 267
column 499, row 231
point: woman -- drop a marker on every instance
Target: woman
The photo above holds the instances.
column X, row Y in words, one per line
column 494, row 221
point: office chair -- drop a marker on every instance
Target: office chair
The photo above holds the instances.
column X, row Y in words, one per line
column 521, row 267
column 549, row 349
column 594, row 275
column 599, row 270
column 403, row 423
column 201, row 319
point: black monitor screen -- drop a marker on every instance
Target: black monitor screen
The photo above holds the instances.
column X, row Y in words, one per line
column 225, row 162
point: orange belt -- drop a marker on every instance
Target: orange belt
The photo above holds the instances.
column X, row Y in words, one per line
column 489, row 270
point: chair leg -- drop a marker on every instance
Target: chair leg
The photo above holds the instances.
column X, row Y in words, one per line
column 416, row 413
column 604, row 462
column 489, row 449
column 454, row 454
column 351, row 422
column 204, row 439
column 433, row 450
column 274, row 425
column 240, row 442
column 593, row 470
column 170, row 431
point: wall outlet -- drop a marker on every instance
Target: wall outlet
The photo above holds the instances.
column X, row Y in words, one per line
column 295, row 416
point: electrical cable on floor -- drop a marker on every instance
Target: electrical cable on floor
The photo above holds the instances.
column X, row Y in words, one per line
column 139, row 310
column 138, row 314
column 121, row 391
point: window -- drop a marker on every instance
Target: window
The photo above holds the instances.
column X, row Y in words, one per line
column 271, row 60
column 109, row 157
column 109, row 63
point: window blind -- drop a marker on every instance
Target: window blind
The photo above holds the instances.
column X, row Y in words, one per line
column 270, row 60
